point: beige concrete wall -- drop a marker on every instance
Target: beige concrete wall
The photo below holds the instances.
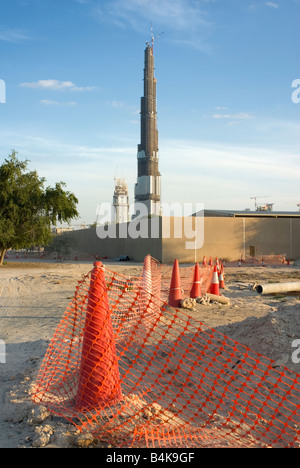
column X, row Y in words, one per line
column 216, row 237
column 232, row 237
column 88, row 242
column 273, row 236
column 182, row 238
column 222, row 237
column 294, row 238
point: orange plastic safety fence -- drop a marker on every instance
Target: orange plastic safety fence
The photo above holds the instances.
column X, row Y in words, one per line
column 265, row 259
column 135, row 372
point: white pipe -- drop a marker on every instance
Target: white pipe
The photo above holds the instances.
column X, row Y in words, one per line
column 271, row 288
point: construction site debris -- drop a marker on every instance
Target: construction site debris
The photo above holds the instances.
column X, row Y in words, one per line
column 122, row 258
column 188, row 303
column 251, row 286
column 273, row 288
column 204, row 300
column 42, row 436
column 207, row 298
column 220, row 299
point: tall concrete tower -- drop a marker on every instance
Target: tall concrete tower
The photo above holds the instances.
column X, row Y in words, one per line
column 147, row 188
column 120, row 210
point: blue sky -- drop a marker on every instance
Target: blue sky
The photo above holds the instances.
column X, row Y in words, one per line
column 228, row 128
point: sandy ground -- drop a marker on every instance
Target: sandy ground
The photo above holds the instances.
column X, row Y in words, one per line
column 34, row 296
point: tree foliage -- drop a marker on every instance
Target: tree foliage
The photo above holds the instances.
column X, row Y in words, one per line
column 28, row 210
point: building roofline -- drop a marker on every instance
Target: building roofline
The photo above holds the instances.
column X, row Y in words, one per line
column 247, row 214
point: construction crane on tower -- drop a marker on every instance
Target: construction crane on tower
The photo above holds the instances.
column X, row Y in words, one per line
column 153, row 37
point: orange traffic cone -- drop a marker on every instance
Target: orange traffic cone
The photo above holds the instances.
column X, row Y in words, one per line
column 204, row 261
column 196, row 288
column 99, row 380
column 214, row 288
column 221, row 279
column 175, row 294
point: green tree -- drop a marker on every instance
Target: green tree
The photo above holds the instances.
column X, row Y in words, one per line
column 28, row 210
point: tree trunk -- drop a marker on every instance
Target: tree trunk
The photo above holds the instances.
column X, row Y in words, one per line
column 2, row 255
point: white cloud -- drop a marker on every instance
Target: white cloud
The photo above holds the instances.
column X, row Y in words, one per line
column 225, row 176
column 13, row 35
column 231, row 118
column 185, row 20
column 220, row 175
column 179, row 14
column 129, row 109
column 47, row 102
column 118, row 104
column 238, row 116
column 56, row 85
column 272, row 5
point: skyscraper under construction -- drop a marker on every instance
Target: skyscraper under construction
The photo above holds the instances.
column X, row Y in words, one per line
column 147, row 188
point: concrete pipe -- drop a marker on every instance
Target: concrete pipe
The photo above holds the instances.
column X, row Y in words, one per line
column 273, row 288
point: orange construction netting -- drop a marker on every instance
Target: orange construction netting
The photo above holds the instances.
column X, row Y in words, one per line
column 265, row 259
column 136, row 372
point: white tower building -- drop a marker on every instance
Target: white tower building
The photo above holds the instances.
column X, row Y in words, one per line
column 120, row 209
